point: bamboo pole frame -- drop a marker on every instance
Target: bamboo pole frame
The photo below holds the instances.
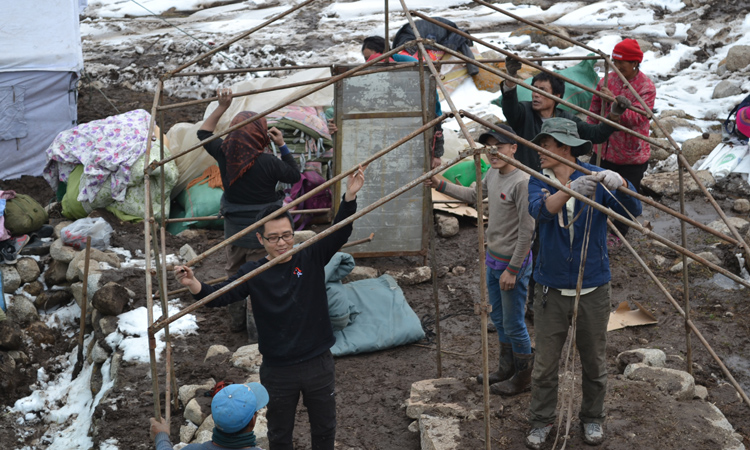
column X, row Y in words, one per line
column 484, row 307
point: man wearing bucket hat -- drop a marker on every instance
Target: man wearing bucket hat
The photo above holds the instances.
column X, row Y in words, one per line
column 626, row 154
column 233, row 410
column 562, row 231
column 508, row 258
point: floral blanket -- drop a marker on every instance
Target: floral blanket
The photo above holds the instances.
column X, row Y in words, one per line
column 107, row 149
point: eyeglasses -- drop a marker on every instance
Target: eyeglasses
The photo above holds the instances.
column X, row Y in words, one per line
column 287, row 237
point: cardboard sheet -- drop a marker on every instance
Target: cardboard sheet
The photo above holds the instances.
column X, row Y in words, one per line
column 459, row 209
column 623, row 316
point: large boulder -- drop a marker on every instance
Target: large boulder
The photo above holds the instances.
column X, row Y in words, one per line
column 28, row 270
column 676, row 383
column 695, row 148
column 111, row 299
column 668, row 184
column 726, row 88
column 738, row 57
column 671, row 123
column 22, row 311
column 10, row 335
column 50, row 299
column 11, row 279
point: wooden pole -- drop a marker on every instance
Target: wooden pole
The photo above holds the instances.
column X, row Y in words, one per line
column 84, row 305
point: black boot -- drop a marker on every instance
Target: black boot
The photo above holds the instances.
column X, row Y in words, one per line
column 505, row 368
column 521, row 380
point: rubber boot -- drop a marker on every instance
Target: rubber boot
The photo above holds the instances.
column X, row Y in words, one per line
column 521, row 380
column 505, row 368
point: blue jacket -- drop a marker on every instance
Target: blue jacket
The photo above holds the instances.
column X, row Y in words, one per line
column 558, row 261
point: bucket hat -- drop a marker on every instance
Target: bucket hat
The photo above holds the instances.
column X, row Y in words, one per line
column 566, row 132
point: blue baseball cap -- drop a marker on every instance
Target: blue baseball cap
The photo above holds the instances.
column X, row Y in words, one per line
column 234, row 406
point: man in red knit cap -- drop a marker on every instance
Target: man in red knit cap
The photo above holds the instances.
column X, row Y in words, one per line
column 623, row 153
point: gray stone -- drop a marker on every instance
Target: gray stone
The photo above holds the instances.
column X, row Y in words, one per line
column 650, row 356
column 193, row 235
column 203, row 436
column 695, row 148
column 670, row 124
column 19, row 356
column 187, row 392
column 458, row 270
column 646, row 46
column 76, row 269
column 538, row 36
column 22, row 310
column 732, row 440
column 678, row 113
column 447, row 226
column 97, row 379
column 303, row 235
column 740, row 224
column 111, row 299
column 667, row 184
column 34, row 288
column 187, row 432
column 114, row 367
column 187, row 254
column 93, row 286
column 414, row 427
column 658, row 153
column 741, row 205
column 216, row 350
column 98, row 354
column 108, row 324
column 194, row 413
column 10, row 335
column 726, row 88
column 411, row 277
column 721, row 69
column 40, row 333
column 708, row 256
column 701, row 392
column 360, row 273
column 96, row 316
column 61, row 252
column 439, row 433
column 55, row 273
column 50, row 299
column 207, row 427
column 738, row 57
column 57, row 233
column 676, row 383
column 248, row 358
column 660, row 260
column 439, row 397
column 11, row 279
column 28, row 270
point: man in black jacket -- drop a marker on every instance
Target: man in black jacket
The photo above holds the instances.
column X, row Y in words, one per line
column 294, row 330
column 526, row 117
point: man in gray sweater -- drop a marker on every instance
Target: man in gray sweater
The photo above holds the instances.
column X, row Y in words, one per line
column 508, row 258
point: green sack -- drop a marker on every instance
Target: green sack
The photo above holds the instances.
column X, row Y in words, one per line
column 197, row 201
column 24, row 215
column 582, row 72
column 464, row 173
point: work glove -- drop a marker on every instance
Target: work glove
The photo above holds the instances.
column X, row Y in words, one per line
column 585, row 185
column 620, row 105
column 610, row 179
column 512, row 66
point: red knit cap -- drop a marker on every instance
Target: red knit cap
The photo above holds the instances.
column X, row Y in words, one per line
column 628, row 50
column 743, row 121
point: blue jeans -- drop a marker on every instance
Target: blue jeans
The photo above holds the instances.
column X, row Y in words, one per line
column 508, row 309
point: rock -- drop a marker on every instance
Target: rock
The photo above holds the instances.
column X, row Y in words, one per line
column 439, row 397
column 187, row 392
column 34, row 288
column 732, row 440
column 97, row 380
column 19, row 356
column 11, row 279
column 114, row 366
column 22, row 311
column 411, row 277
column 670, row 124
column 187, row 432
column 61, row 252
column 738, row 57
column 248, row 358
column 741, row 205
column 193, row 235
column 98, row 354
column 646, row 46
column 458, row 271
column 55, row 274
column 303, row 235
column 8, row 377
column 447, row 226
column 10, row 336
column 194, row 413
column 207, row 427
column 213, row 351
column 660, row 260
column 110, row 299
column 93, row 286
column 203, row 436
column 360, row 273
column 414, row 427
column 667, row 184
column 741, row 225
column 675, row 383
column 50, row 299
column 57, row 232
column 721, row 69
column 77, row 267
column 649, row 356
column 187, row 254
column 28, row 270
column 693, row 149
column 108, row 324
column 678, row 113
column 726, row 88
column 538, row 36
column 658, row 153
column 701, row 392
column 708, row 256
column 40, row 333
column 439, row 433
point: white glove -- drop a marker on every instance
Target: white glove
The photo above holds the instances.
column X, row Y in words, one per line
column 585, row 185
column 610, row 179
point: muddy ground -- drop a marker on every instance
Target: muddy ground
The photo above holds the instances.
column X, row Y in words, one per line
column 372, row 388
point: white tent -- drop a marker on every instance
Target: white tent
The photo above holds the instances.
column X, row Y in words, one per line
column 39, row 69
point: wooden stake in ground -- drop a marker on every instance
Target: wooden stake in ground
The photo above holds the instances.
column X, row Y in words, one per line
column 84, row 301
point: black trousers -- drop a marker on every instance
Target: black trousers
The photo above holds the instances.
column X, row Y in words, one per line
column 631, row 172
column 315, row 379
